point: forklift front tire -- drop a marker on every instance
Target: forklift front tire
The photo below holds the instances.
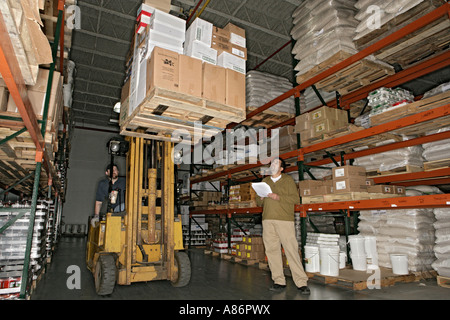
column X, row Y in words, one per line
column 184, row 269
column 105, row 275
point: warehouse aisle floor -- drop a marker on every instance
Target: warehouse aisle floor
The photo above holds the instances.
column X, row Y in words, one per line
column 212, row 279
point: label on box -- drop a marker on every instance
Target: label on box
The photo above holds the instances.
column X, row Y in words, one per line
column 340, row 185
column 339, row 172
column 237, row 40
column 238, row 52
column 387, row 189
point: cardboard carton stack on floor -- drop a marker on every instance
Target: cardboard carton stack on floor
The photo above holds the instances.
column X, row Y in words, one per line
column 251, row 248
column 316, row 125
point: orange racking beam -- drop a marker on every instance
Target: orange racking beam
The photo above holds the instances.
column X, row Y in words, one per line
column 427, row 201
column 392, row 38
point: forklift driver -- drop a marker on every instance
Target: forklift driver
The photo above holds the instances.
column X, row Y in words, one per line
column 117, row 195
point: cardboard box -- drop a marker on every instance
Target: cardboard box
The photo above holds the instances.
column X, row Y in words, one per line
column 237, row 35
column 255, row 247
column 163, row 5
column 214, row 83
column 220, row 35
column 254, row 255
column 168, row 29
column 329, row 113
column 230, row 61
column 163, row 70
column 200, row 30
column 199, row 50
column 235, row 89
column 348, row 171
column 381, row 189
column 302, row 123
column 353, row 184
column 190, row 76
column 253, row 240
column 314, row 187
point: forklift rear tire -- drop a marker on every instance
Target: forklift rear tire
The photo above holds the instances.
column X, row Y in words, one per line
column 184, row 269
column 105, row 275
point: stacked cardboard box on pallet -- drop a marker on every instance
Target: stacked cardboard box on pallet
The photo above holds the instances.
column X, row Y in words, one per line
column 242, row 195
column 180, row 70
column 314, row 125
column 206, row 198
column 347, row 183
column 251, row 248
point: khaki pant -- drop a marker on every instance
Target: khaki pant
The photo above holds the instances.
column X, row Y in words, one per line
column 278, row 233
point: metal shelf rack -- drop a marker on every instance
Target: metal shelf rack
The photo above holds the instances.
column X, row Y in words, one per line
column 440, row 176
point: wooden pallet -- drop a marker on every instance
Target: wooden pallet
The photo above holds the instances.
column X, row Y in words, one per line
column 443, row 281
column 164, row 111
column 312, row 199
column 355, row 76
column 349, row 196
column 358, row 280
column 425, row 42
column 436, row 164
column 401, row 170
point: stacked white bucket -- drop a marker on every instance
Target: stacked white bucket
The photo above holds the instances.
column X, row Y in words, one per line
column 363, row 252
column 323, row 255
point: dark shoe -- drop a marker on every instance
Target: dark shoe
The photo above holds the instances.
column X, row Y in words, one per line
column 277, row 287
column 304, row 290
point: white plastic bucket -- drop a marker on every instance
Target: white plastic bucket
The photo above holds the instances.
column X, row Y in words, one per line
column 312, row 259
column 357, row 245
column 359, row 262
column 370, row 246
column 399, row 264
column 342, row 260
column 329, row 260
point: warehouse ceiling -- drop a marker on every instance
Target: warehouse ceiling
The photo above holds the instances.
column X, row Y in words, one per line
column 100, row 47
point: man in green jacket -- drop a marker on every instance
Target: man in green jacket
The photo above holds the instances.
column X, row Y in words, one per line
column 279, row 229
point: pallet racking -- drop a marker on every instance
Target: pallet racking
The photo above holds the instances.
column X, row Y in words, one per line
column 12, row 75
column 439, row 115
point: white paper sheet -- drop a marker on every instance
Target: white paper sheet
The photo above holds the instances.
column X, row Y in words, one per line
column 262, row 189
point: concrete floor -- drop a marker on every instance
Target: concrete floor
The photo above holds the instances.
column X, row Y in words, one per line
column 212, row 279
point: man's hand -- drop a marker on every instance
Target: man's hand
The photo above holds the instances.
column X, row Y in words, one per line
column 274, row 196
column 94, row 220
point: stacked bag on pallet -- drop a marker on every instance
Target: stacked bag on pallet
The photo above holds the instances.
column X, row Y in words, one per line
column 391, row 160
column 405, row 231
column 322, row 29
column 437, row 150
column 442, row 244
column 373, row 14
column 262, row 87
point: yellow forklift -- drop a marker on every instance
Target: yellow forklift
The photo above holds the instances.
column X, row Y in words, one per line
column 144, row 242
